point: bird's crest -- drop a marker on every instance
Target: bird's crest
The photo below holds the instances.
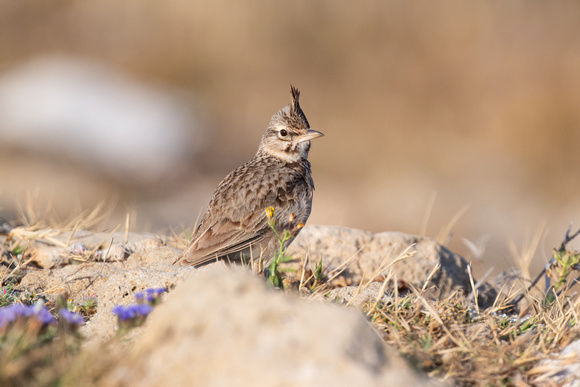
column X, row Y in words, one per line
column 295, row 99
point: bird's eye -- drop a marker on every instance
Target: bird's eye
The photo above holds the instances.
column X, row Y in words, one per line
column 283, row 133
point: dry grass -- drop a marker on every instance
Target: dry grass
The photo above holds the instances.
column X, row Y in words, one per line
column 449, row 339
column 452, row 340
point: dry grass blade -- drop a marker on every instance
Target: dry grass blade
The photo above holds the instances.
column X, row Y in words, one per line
column 342, row 267
column 445, row 233
column 473, row 288
column 524, row 256
column 436, row 316
column 88, row 219
column 381, row 293
column 385, row 264
column 435, row 270
column 427, row 215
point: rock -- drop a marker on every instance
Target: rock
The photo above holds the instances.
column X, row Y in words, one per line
column 367, row 255
column 357, row 295
column 5, row 226
column 223, row 327
column 45, row 256
column 92, row 114
column 563, row 370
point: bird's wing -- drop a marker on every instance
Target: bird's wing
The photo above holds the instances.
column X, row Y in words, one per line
column 223, row 237
column 236, row 217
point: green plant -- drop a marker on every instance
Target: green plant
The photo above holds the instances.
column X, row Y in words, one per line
column 18, row 250
column 7, row 296
column 274, row 270
column 35, row 350
column 88, row 307
column 318, row 275
column 567, row 262
column 562, row 262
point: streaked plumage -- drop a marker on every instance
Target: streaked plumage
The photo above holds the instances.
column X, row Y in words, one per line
column 278, row 176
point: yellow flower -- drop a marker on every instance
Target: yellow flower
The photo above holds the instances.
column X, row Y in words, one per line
column 270, row 212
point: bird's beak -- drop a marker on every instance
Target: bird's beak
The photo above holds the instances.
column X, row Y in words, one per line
column 309, row 135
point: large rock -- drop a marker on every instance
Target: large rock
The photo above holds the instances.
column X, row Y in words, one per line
column 368, row 256
column 223, row 327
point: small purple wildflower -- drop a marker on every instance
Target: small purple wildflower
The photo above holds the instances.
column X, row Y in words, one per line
column 156, row 291
column 14, row 312
column 71, row 318
column 150, row 296
column 154, row 295
column 134, row 315
column 132, row 311
column 119, row 310
column 44, row 316
column 142, row 310
column 10, row 313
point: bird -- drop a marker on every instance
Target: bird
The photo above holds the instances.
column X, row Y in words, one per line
column 274, row 188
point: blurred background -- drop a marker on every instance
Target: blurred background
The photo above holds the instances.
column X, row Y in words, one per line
column 457, row 120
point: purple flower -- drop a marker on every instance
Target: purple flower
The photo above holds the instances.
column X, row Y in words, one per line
column 132, row 311
column 44, row 316
column 121, row 312
column 150, row 296
column 156, row 291
column 154, row 294
column 71, row 317
column 11, row 313
column 142, row 310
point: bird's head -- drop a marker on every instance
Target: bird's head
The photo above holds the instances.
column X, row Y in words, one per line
column 288, row 135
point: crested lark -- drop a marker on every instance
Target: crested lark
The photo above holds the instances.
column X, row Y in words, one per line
column 235, row 226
